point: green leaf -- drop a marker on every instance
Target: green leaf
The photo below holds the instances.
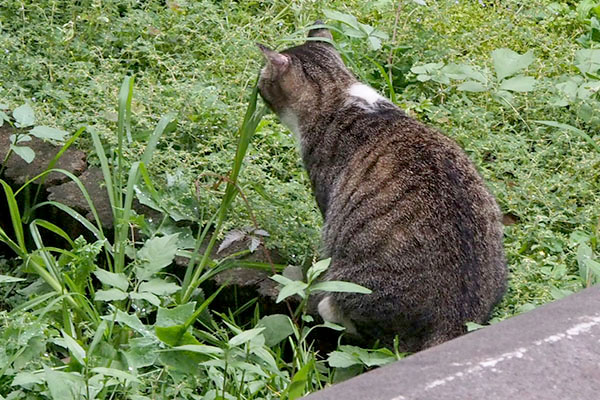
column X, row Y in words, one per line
column 159, row 287
column 347, row 19
column 245, row 336
column 130, row 320
column 587, row 60
column 201, row 348
column 298, row 383
column 558, row 294
column 374, row 43
column 24, row 116
column 74, row 348
column 340, row 359
column 471, row 86
column 317, row 269
column 142, row 352
column 45, row 132
column 569, row 88
column 9, row 279
column 577, row 237
column 112, row 279
column 110, row 295
column 157, row 254
column 176, row 315
column 277, row 327
column 175, row 335
column 25, row 152
column 339, row 286
column 331, row 325
column 16, row 139
column 571, row 128
column 429, row 68
column 584, row 253
column 281, row 279
column 116, row 373
column 504, row 97
column 588, row 90
column 507, row 62
column 519, row 83
column 3, row 117
column 377, row 358
column 63, row 385
column 27, row 378
column 149, row 297
column 262, row 352
column 291, row 289
column 593, row 268
column 98, row 336
column 472, row 326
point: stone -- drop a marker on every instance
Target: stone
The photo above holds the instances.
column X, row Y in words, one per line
column 550, row 353
column 251, row 281
column 18, row 171
column 69, row 194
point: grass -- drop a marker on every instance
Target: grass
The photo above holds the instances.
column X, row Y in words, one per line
column 144, row 333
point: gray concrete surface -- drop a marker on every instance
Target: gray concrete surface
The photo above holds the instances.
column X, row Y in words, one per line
column 552, row 352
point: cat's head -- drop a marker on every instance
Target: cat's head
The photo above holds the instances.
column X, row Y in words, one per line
column 303, row 77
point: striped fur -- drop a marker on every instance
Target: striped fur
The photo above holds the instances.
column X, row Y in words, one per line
column 406, row 213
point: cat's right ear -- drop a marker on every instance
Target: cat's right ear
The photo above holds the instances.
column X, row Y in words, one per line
column 279, row 62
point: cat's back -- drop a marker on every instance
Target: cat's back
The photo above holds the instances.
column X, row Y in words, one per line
column 408, row 186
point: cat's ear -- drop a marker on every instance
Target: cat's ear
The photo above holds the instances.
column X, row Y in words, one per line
column 279, row 61
column 320, row 32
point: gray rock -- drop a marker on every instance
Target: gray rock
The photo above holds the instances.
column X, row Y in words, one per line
column 18, row 171
column 250, row 280
column 550, row 353
column 70, row 195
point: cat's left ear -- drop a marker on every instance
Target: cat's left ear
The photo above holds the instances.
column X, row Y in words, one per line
column 279, row 61
column 320, row 32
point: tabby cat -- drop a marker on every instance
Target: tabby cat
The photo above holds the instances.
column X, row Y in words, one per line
column 406, row 214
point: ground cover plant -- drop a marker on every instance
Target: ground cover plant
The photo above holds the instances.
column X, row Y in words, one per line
column 156, row 93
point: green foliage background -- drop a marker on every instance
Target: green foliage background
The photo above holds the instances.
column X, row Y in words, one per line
column 199, row 59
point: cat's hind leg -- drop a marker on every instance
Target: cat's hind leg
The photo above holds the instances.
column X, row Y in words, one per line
column 330, row 312
column 439, row 335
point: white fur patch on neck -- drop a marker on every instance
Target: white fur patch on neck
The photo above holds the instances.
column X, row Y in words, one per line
column 290, row 120
column 360, row 92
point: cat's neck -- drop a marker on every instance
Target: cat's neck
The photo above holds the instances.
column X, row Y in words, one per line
column 355, row 95
column 330, row 134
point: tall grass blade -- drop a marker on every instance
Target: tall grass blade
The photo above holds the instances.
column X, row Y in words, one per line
column 15, row 214
column 385, row 76
column 76, row 216
column 97, row 231
column 571, row 128
column 53, row 162
column 13, row 246
column 158, row 131
column 125, row 98
column 121, row 227
column 48, row 259
column 106, row 171
column 251, row 120
column 55, row 229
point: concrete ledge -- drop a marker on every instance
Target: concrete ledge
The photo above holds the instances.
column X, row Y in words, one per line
column 552, row 352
